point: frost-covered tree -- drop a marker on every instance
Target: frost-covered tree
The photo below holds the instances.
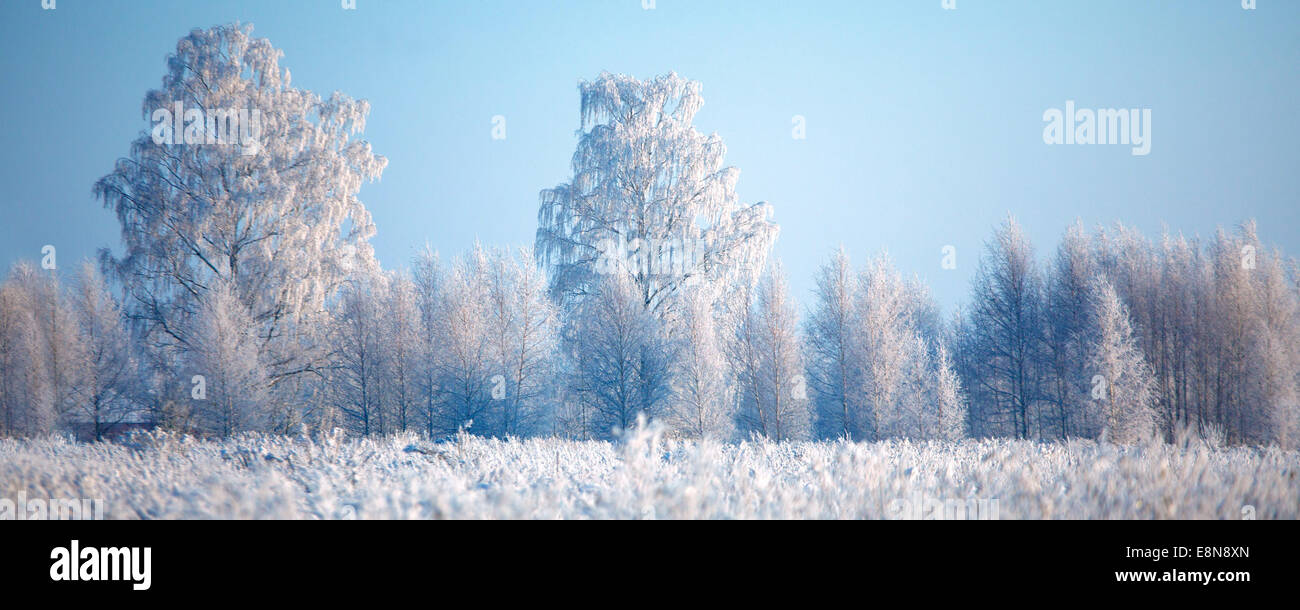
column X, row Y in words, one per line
column 1272, row 389
column 359, row 376
column 161, row 390
column 223, row 350
column 1004, row 335
column 15, row 344
column 464, row 358
column 1184, row 287
column 104, row 389
column 1232, row 332
column 947, row 397
column 274, row 219
column 59, row 352
column 1126, row 387
column 405, row 350
column 835, row 368
column 766, row 346
column 379, row 359
column 907, row 411
column 620, row 359
column 26, row 400
column 484, row 344
column 1068, row 302
column 878, row 362
column 1127, row 260
column 927, row 402
column 525, row 328
column 427, row 277
column 650, row 200
column 887, row 344
column 701, row 400
column 743, row 349
column 1213, row 323
column 908, row 384
column 43, row 349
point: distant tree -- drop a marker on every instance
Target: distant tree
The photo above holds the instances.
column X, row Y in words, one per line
column 359, row 378
column 766, row 344
column 104, row 390
column 1127, row 260
column 1212, row 324
column 909, row 383
column 1126, row 388
column 742, row 345
column 1184, row 281
column 909, row 411
column 835, row 368
column 649, row 200
column 427, row 275
column 1004, row 344
column 889, row 347
column 58, row 353
column 1068, row 302
column 947, row 396
column 1274, row 389
column 879, row 365
column 405, row 349
column 701, row 397
column 26, row 401
column 464, row 359
column 224, row 352
column 621, row 359
column 524, row 325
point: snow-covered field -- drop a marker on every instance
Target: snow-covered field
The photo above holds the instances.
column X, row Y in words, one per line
column 162, row 476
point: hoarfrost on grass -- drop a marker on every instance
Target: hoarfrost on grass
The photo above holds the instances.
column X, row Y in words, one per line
column 645, row 475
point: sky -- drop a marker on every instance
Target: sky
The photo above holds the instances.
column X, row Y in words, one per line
column 924, row 125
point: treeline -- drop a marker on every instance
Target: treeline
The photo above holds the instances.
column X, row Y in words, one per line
column 477, row 345
column 246, row 297
column 66, row 358
column 472, row 347
column 1115, row 337
column 1117, row 332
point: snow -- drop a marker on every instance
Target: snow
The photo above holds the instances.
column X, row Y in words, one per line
column 645, row 475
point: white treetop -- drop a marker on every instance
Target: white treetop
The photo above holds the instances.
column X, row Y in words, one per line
column 276, row 218
column 650, row 199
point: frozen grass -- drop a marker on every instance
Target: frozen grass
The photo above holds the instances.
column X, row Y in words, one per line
column 169, row 477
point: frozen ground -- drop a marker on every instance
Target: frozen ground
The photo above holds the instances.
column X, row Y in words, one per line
column 170, row 477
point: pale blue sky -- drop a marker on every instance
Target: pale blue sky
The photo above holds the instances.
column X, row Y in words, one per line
column 924, row 125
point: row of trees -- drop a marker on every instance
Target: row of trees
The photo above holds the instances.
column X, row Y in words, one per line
column 65, row 358
column 1122, row 335
column 744, row 366
column 247, row 297
column 438, row 351
column 878, row 357
column 1055, row 352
